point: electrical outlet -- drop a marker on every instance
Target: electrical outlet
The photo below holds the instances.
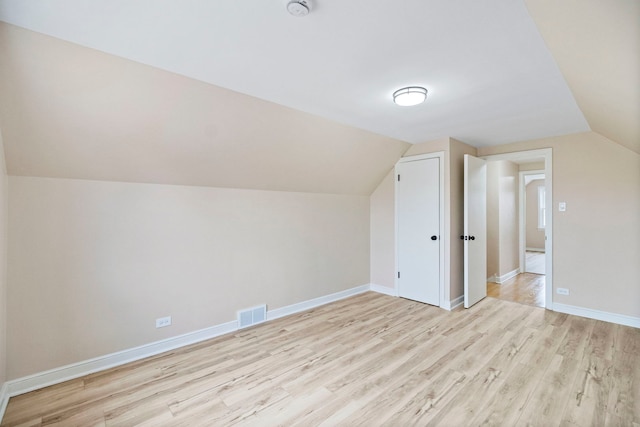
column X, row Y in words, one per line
column 562, row 291
column 163, row 321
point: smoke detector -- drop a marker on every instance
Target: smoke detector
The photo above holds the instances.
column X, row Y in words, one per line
column 299, row 7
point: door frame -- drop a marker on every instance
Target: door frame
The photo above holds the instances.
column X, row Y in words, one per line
column 547, row 155
column 444, row 298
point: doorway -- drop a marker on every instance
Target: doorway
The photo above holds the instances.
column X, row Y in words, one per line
column 519, row 264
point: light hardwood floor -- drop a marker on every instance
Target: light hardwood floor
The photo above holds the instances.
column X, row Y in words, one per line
column 525, row 288
column 370, row 360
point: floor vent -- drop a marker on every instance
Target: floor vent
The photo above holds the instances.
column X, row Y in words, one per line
column 252, row 316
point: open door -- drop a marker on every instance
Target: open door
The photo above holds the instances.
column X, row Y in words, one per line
column 475, row 230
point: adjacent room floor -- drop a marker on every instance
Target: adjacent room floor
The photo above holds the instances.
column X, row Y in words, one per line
column 369, row 360
column 525, row 288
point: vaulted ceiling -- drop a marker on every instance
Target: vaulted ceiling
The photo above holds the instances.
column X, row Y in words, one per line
column 242, row 94
column 596, row 45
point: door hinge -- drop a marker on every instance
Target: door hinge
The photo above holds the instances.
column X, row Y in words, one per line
column 398, row 274
column 398, row 177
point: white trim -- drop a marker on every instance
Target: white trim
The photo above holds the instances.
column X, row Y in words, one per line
column 534, row 249
column 307, row 305
column 384, row 290
column 501, row 279
column 456, row 302
column 4, row 399
column 86, row 367
column 620, row 319
column 444, row 259
column 542, row 205
column 547, row 155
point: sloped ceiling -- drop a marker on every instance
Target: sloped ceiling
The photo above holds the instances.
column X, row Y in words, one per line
column 490, row 77
column 241, row 94
column 597, row 47
column 67, row 111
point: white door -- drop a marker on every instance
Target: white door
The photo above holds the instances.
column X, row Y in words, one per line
column 475, row 230
column 418, row 203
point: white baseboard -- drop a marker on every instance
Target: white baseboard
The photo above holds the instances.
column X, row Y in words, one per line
column 86, row 367
column 456, row 302
column 394, row 293
column 501, row 279
column 534, row 249
column 307, row 305
column 620, row 319
column 4, row 399
column 384, row 290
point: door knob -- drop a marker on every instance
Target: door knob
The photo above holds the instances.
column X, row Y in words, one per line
column 434, row 237
column 461, row 237
column 472, row 237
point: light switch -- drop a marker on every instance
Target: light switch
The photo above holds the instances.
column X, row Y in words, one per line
column 562, row 206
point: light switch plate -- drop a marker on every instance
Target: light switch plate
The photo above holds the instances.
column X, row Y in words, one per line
column 562, row 206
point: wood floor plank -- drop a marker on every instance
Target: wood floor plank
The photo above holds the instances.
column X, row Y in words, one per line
column 548, row 400
column 506, row 406
column 369, row 360
column 591, row 390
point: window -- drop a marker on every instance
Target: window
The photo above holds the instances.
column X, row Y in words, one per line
column 541, row 207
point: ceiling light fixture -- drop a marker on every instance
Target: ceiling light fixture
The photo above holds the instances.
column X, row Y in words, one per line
column 409, row 96
column 299, row 7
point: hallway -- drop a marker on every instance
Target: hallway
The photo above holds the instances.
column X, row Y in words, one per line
column 525, row 288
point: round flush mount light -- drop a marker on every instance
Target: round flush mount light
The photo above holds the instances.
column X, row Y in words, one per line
column 409, row 96
column 299, row 7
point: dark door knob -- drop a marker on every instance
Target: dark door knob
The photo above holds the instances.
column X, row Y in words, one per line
column 434, row 237
column 472, row 237
column 461, row 237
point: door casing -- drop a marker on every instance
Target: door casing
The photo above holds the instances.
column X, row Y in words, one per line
column 443, row 238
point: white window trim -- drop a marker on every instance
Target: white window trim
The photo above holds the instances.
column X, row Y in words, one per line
column 541, row 207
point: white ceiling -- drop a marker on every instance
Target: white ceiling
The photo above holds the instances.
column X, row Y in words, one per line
column 490, row 76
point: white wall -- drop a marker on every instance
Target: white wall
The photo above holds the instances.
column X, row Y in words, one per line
column 92, row 264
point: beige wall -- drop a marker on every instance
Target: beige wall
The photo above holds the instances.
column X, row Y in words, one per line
column 508, row 218
column 92, row 264
column 3, row 265
column 493, row 219
column 534, row 166
column 596, row 242
column 382, row 233
column 102, row 117
column 534, row 236
column 502, row 218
